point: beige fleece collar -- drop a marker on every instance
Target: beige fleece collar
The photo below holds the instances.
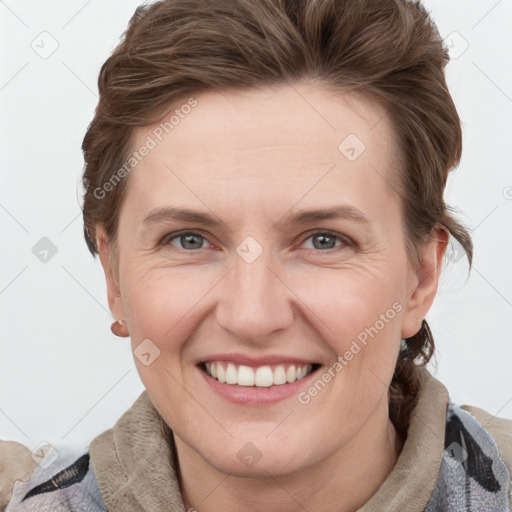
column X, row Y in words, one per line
column 134, row 462
column 136, row 467
column 412, row 480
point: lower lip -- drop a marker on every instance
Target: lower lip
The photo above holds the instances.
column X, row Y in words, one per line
column 253, row 395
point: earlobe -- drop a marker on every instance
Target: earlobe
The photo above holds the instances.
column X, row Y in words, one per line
column 119, row 329
column 113, row 291
column 420, row 298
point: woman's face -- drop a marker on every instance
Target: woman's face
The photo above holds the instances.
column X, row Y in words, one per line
column 264, row 286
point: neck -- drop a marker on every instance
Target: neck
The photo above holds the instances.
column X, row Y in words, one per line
column 349, row 477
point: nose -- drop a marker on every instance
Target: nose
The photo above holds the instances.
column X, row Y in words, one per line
column 254, row 301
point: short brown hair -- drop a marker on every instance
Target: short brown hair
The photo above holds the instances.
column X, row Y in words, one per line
column 389, row 51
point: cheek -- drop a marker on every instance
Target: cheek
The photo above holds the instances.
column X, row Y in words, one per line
column 356, row 301
column 161, row 302
column 360, row 319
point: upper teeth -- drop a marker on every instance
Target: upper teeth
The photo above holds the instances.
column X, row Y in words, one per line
column 263, row 376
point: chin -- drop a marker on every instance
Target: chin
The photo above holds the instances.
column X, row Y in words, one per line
column 275, row 464
column 246, row 455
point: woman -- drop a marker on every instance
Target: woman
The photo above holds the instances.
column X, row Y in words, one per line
column 264, row 187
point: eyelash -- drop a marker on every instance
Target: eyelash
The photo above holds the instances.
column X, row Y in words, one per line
column 346, row 241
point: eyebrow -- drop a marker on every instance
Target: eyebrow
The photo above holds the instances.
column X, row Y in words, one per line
column 160, row 215
column 334, row 212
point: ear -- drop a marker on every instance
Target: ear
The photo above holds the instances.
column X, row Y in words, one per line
column 115, row 302
column 424, row 283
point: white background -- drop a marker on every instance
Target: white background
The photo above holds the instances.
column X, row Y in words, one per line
column 64, row 378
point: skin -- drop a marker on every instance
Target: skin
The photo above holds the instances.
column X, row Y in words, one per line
column 251, row 158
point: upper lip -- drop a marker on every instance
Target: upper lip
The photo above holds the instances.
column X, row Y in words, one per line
column 241, row 359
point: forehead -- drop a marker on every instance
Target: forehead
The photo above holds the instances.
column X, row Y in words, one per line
column 263, row 140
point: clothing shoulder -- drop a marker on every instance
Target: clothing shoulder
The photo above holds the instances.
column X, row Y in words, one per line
column 476, row 465
column 500, row 430
column 58, row 486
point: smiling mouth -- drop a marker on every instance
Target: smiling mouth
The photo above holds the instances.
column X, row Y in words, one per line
column 261, row 376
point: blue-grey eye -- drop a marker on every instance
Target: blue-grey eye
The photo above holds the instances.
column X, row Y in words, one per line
column 187, row 241
column 325, row 240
